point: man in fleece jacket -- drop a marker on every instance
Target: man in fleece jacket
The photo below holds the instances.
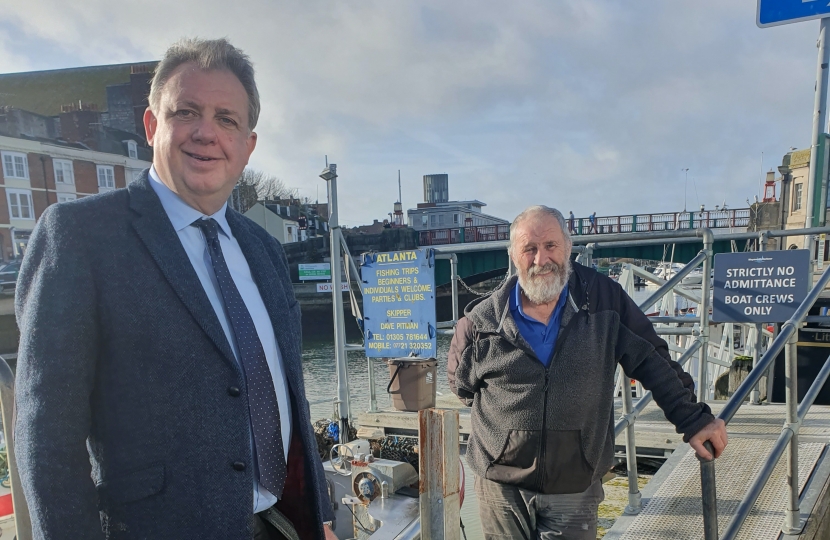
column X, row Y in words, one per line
column 535, row 360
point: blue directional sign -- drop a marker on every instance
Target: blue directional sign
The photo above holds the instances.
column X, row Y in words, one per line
column 760, row 286
column 776, row 12
column 399, row 303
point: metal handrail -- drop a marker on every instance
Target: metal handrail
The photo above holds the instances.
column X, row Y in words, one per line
column 22, row 520
column 789, row 434
column 674, row 281
column 629, row 419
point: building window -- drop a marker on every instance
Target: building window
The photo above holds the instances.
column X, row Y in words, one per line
column 132, row 149
column 424, row 220
column 63, row 171
column 15, row 165
column 63, row 197
column 456, row 218
column 440, row 219
column 797, row 197
column 106, row 176
column 20, row 204
column 433, row 220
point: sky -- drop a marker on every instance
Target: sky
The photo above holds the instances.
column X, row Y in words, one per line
column 583, row 105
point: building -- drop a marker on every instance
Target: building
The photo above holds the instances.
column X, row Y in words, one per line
column 436, row 188
column 437, row 212
column 37, row 172
column 795, row 168
column 118, row 91
column 793, row 184
column 57, row 145
column 275, row 219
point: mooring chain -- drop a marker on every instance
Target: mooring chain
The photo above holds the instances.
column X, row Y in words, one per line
column 484, row 293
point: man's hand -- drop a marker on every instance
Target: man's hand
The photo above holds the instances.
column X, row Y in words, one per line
column 714, row 432
column 329, row 533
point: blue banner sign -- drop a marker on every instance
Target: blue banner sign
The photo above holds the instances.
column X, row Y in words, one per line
column 399, row 303
column 760, row 286
column 775, row 12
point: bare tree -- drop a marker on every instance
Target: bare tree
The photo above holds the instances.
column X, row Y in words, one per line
column 257, row 186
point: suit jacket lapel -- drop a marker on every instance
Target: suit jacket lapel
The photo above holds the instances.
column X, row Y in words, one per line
column 155, row 230
column 274, row 296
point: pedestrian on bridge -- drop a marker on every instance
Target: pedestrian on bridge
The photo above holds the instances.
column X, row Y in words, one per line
column 571, row 220
column 536, row 361
column 593, row 220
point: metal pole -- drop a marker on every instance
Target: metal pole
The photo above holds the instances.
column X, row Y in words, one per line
column 709, row 499
column 373, row 400
column 702, row 383
column 454, row 279
column 342, row 402
column 819, row 122
column 588, row 255
column 771, row 369
column 635, row 504
column 792, row 521
column 22, row 519
column 755, row 396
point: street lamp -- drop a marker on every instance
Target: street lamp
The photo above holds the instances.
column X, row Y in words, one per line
column 685, row 187
column 329, row 174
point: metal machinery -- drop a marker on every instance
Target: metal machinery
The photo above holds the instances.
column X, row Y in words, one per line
column 372, row 498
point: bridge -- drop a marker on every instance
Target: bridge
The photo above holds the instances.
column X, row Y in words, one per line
column 482, row 251
column 667, row 221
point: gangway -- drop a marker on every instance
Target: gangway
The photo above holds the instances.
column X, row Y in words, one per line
column 750, row 493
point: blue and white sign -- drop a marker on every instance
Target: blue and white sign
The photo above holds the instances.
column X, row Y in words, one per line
column 761, row 286
column 776, row 12
column 399, row 303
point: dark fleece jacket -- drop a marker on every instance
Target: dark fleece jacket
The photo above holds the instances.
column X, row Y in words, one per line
column 551, row 430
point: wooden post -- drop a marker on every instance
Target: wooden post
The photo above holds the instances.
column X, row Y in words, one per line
column 439, row 475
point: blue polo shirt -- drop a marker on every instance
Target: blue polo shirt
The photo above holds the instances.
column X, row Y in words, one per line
column 541, row 337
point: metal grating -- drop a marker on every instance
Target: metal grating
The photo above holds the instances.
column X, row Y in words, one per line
column 675, row 509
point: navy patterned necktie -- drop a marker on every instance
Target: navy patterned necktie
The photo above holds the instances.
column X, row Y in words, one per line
column 262, row 398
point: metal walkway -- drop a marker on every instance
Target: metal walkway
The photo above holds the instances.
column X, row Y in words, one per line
column 672, row 502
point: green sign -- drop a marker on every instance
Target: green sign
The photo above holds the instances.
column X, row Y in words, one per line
column 315, row 271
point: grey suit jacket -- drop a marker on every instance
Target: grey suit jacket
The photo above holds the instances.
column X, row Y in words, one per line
column 126, row 401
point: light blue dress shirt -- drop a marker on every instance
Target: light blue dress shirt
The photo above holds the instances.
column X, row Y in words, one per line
column 181, row 216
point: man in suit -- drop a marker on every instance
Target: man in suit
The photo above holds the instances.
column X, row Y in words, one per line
column 159, row 387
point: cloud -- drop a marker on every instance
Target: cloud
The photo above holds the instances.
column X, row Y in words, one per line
column 591, row 105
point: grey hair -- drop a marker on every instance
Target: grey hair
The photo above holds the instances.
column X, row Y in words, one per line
column 539, row 209
column 208, row 54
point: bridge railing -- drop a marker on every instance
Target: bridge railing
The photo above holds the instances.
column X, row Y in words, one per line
column 669, row 221
column 481, row 233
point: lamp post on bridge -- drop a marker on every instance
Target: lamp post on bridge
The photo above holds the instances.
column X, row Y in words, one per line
column 685, row 187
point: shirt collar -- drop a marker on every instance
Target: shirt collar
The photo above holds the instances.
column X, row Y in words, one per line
column 181, row 214
column 517, row 302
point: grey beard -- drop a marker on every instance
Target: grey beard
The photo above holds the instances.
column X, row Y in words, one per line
column 542, row 289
